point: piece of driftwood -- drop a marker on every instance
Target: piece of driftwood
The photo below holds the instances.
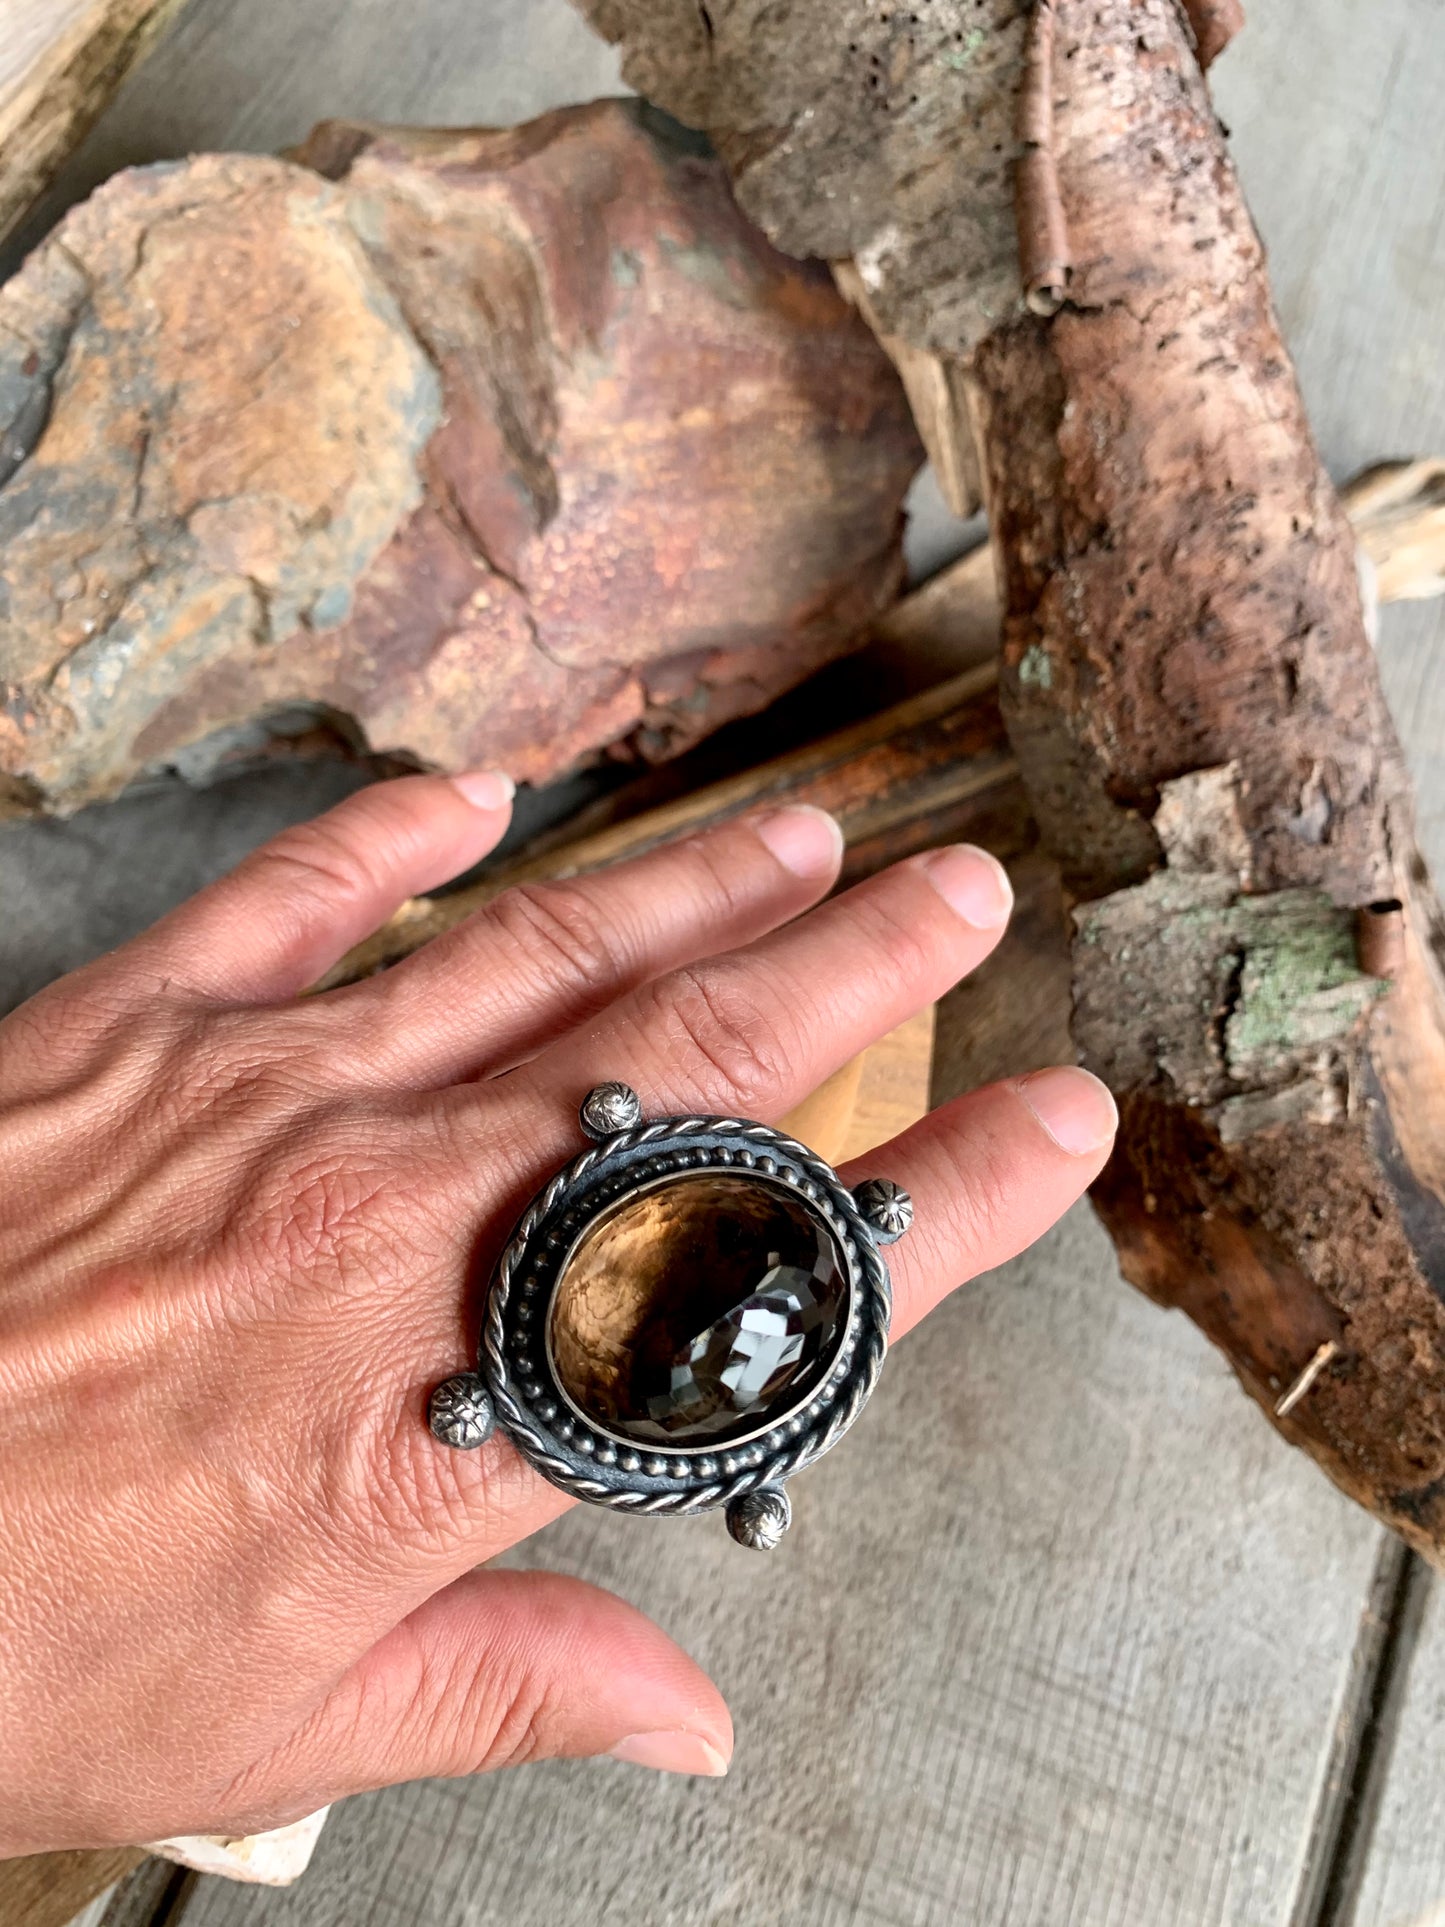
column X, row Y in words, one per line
column 1398, row 510
column 60, row 62
column 1187, row 675
column 50, row 1889
column 880, row 1092
column 477, row 447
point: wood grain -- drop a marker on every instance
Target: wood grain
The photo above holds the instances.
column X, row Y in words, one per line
column 60, row 62
column 1401, row 1882
column 49, row 1889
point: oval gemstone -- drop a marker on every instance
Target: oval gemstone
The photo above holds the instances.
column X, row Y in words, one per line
column 688, row 1314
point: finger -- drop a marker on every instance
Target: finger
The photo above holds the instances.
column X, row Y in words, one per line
column 546, row 957
column 498, row 1670
column 299, row 903
column 752, row 1032
column 988, row 1174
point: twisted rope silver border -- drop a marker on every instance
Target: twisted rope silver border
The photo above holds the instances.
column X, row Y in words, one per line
column 832, row 1407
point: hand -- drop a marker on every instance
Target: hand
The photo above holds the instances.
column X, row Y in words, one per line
column 243, row 1233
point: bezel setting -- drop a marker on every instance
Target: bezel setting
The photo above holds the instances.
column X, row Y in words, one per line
column 580, row 1455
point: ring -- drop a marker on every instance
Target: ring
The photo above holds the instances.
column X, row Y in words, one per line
column 688, row 1314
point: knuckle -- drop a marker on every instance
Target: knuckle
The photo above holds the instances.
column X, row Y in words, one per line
column 315, row 861
column 561, row 933
column 228, row 1065
column 513, row 1729
column 466, row 1717
column 982, row 1200
column 330, row 1195
column 733, row 1041
column 716, row 880
column 888, row 934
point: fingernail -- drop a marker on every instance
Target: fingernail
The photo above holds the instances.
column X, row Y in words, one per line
column 1074, row 1108
column 486, row 789
column 806, row 841
column 972, row 883
column 676, row 1752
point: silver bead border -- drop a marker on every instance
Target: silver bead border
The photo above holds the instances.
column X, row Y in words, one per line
column 804, row 1435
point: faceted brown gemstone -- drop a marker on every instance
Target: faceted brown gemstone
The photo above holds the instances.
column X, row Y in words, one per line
column 686, row 1314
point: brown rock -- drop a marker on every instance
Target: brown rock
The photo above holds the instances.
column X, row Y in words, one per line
column 478, row 447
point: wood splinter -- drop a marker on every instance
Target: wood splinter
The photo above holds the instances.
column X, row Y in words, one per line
column 1306, row 1378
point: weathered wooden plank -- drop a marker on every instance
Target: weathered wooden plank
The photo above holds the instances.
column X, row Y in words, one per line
column 1402, row 1882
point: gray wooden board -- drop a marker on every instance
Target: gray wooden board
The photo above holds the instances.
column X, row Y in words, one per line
column 1062, row 1635
column 1404, row 1877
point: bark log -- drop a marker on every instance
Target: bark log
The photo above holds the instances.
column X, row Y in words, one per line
column 1187, row 676
column 542, row 449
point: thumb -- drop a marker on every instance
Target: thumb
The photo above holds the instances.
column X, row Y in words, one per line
column 499, row 1669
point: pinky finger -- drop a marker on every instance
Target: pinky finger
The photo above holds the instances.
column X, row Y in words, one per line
column 988, row 1174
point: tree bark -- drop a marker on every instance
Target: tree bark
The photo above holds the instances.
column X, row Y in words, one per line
column 1188, row 682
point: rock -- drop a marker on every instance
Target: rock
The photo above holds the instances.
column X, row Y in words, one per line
column 484, row 447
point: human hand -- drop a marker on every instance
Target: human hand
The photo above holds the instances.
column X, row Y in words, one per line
column 243, row 1233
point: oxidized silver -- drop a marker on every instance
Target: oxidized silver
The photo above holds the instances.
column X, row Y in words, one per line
column 460, row 1413
column 759, row 1519
column 609, row 1109
column 583, row 1455
column 887, row 1207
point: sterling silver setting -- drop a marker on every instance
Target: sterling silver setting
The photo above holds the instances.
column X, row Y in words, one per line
column 518, row 1385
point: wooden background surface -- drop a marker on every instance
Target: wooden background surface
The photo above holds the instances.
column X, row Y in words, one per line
column 1064, row 1637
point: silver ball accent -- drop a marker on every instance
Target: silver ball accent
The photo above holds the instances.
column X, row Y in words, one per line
column 611, row 1108
column 759, row 1519
column 461, row 1414
column 886, row 1207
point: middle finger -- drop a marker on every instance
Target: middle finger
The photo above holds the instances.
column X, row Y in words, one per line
column 543, row 958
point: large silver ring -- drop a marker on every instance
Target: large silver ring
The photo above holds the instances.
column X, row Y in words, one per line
column 688, row 1314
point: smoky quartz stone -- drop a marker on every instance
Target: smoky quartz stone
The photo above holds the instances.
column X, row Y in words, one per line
column 692, row 1312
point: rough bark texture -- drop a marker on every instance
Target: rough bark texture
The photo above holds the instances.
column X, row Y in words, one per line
column 473, row 447
column 1190, row 691
column 1183, row 600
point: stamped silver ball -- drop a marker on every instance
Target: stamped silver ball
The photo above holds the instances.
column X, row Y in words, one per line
column 886, row 1206
column 461, row 1413
column 759, row 1519
column 611, row 1108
